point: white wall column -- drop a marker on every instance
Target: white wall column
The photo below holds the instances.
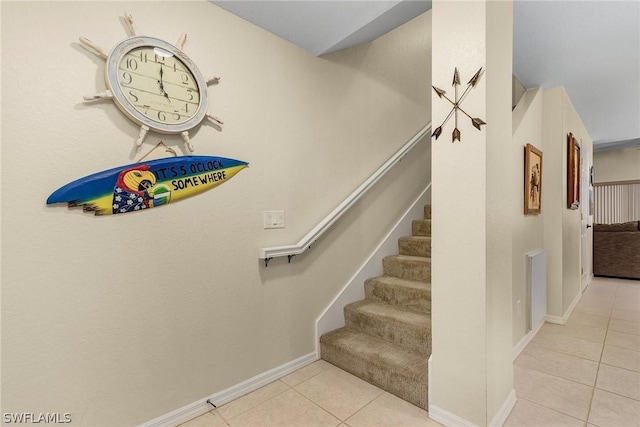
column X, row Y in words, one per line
column 472, row 374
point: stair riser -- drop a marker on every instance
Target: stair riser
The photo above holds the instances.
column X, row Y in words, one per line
column 413, row 390
column 427, row 211
column 414, row 247
column 408, row 298
column 407, row 269
column 421, row 227
column 413, row 337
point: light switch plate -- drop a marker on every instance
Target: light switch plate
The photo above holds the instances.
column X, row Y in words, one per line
column 273, row 219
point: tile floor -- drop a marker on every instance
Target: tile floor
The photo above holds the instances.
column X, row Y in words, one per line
column 317, row 395
column 585, row 373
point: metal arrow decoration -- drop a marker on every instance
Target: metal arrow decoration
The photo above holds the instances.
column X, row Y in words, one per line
column 475, row 121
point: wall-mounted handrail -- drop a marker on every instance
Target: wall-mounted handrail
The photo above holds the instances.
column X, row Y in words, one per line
column 292, row 250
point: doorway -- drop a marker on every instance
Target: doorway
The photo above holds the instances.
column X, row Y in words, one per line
column 585, row 217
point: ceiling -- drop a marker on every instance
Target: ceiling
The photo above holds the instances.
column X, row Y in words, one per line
column 590, row 47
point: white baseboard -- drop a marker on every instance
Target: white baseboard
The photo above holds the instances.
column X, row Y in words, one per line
column 563, row 320
column 555, row 319
column 429, row 389
column 199, row 407
column 526, row 340
column 333, row 316
column 503, row 413
column 446, row 418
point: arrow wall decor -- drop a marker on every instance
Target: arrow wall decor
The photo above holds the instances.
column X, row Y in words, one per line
column 475, row 121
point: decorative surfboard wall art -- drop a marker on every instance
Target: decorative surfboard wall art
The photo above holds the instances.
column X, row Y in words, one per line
column 147, row 184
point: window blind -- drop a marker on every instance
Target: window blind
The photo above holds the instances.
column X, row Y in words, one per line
column 617, row 202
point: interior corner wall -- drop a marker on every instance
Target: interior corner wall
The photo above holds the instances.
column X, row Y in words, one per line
column 550, row 116
column 121, row 319
column 554, row 195
column 572, row 219
column 471, row 374
column 527, row 229
column 499, row 48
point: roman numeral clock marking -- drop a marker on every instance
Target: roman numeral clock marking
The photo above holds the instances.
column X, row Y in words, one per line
column 155, row 84
column 476, row 122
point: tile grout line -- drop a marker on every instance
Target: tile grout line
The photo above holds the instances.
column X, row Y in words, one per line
column 621, row 367
column 317, row 405
column 310, row 377
column 568, row 354
column 547, row 407
column 364, row 406
column 599, row 362
column 593, row 391
column 254, row 406
column 593, row 387
column 554, row 376
column 563, row 378
column 341, row 420
column 551, row 409
column 289, row 387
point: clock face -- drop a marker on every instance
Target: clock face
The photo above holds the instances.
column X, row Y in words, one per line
column 157, row 85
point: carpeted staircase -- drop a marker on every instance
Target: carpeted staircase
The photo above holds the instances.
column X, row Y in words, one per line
column 386, row 340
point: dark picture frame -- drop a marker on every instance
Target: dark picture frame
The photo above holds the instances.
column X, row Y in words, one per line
column 573, row 172
column 532, row 180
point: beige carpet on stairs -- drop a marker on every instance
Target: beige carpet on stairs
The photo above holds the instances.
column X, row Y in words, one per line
column 386, row 339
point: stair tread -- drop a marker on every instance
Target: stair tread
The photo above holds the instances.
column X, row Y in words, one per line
column 410, row 258
column 415, row 237
column 408, row 294
column 378, row 352
column 421, row 227
column 374, row 308
column 415, row 245
column 397, row 281
column 409, row 267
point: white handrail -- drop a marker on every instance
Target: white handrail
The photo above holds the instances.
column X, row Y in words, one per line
column 329, row 220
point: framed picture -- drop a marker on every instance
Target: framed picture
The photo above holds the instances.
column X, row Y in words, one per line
column 532, row 180
column 573, row 172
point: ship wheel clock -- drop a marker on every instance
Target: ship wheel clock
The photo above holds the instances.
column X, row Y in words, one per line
column 155, row 84
column 455, row 136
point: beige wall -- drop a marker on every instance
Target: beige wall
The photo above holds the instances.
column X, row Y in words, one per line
column 543, row 119
column 616, row 165
column 471, row 375
column 122, row 319
column 571, row 219
column 527, row 229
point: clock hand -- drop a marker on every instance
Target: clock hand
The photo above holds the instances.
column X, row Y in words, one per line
column 160, row 81
column 162, row 91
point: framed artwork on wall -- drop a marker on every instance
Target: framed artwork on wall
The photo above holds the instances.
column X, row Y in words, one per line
column 573, row 172
column 532, row 180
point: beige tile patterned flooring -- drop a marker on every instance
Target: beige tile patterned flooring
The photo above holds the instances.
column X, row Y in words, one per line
column 585, row 373
column 317, row 395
